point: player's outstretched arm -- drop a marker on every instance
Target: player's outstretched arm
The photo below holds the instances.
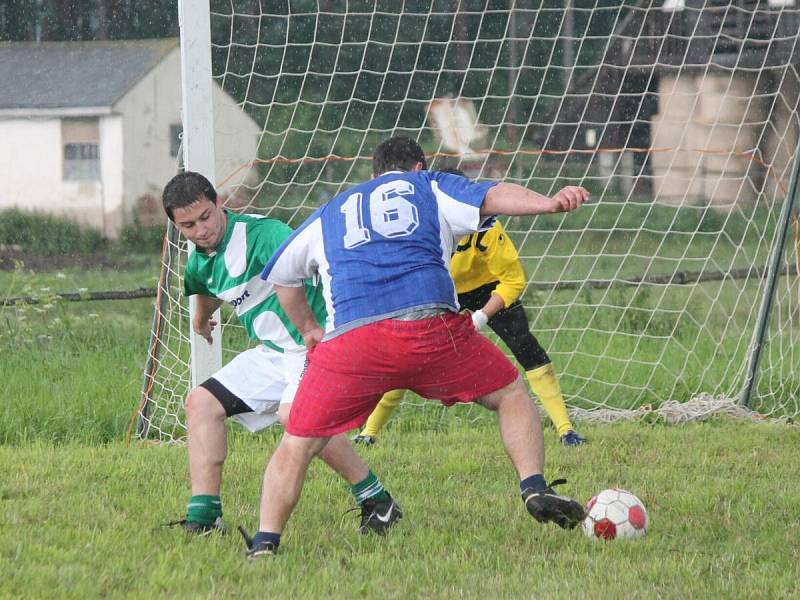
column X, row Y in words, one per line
column 295, row 304
column 201, row 321
column 514, row 200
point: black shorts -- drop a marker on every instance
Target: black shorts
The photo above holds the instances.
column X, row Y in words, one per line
column 232, row 404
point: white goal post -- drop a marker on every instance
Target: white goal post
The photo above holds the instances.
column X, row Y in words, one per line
column 674, row 292
column 194, row 20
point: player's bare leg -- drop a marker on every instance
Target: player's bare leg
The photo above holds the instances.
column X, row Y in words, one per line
column 284, row 478
column 379, row 511
column 340, row 456
column 208, row 444
column 208, row 447
column 520, row 427
column 338, row 453
column 521, row 432
column 283, row 483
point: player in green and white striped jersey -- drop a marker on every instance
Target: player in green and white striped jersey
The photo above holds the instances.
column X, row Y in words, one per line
column 257, row 387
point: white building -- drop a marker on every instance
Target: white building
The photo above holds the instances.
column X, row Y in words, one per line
column 91, row 130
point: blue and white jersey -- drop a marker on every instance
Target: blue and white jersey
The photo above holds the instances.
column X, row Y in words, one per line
column 382, row 248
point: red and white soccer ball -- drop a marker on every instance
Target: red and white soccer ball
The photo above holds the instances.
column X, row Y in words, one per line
column 615, row 514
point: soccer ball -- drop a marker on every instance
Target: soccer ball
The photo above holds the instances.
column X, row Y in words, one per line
column 614, row 514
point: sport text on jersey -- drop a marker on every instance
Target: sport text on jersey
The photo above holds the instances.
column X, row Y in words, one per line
column 238, row 301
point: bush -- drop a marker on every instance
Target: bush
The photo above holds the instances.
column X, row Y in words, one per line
column 47, row 234
column 141, row 239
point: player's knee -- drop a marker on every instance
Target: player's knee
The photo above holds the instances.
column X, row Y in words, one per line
column 515, row 392
column 518, row 402
column 200, row 404
column 302, row 449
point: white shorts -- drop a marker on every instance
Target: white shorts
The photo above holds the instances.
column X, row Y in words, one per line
column 263, row 379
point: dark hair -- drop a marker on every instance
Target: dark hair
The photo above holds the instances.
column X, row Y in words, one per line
column 453, row 171
column 397, row 154
column 184, row 189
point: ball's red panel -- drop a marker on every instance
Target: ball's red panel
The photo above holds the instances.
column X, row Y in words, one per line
column 605, row 529
column 637, row 517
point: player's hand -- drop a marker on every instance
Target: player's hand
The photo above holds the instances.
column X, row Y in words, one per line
column 569, row 198
column 205, row 329
column 312, row 337
column 479, row 319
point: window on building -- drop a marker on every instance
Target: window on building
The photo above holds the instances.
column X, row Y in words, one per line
column 175, row 135
column 81, row 142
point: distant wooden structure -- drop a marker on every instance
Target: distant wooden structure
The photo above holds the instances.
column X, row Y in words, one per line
column 710, row 87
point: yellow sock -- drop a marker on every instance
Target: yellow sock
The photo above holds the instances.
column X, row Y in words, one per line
column 544, row 384
column 382, row 413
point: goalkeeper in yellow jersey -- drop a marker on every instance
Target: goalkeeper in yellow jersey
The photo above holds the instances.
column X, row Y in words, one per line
column 489, row 279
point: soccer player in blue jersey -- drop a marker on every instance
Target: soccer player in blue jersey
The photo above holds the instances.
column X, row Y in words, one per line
column 382, row 250
column 489, row 280
column 257, row 386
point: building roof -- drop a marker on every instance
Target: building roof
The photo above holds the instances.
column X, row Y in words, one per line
column 58, row 75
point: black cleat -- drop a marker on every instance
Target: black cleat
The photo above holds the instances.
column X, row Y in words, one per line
column 201, row 529
column 548, row 507
column 253, row 551
column 379, row 515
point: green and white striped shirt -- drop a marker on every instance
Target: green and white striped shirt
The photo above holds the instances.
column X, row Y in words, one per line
column 232, row 273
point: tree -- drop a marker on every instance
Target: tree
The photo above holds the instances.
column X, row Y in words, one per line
column 18, row 20
column 79, row 20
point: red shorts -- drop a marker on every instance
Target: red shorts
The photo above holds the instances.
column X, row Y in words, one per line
column 442, row 357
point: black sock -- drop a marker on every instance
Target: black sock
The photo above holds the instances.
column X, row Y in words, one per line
column 266, row 536
column 534, row 482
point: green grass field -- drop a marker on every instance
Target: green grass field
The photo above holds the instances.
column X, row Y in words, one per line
column 81, row 511
column 83, row 520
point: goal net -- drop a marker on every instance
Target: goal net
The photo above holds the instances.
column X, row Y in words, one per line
column 676, row 286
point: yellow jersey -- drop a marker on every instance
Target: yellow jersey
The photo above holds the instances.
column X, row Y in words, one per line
column 488, row 257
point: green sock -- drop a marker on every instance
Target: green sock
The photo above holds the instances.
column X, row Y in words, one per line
column 369, row 487
column 204, row 509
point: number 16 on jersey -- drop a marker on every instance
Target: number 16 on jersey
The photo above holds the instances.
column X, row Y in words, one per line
column 391, row 215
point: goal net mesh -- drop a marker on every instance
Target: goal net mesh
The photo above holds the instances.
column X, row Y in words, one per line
column 680, row 117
